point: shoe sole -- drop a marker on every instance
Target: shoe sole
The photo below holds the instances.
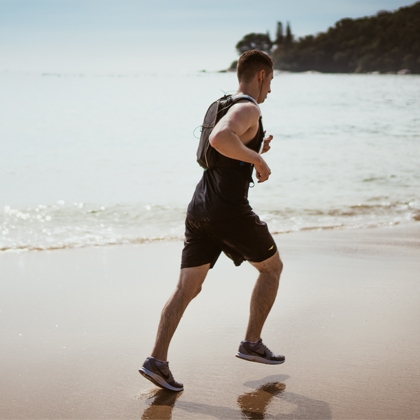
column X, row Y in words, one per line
column 257, row 359
column 158, row 380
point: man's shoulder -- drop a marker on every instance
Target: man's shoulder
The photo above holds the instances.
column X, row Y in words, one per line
column 246, row 108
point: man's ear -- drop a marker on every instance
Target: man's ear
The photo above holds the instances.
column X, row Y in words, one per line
column 261, row 75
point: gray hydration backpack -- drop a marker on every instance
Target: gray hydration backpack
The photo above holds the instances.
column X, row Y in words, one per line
column 206, row 154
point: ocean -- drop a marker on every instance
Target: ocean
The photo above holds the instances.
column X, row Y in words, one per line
column 109, row 159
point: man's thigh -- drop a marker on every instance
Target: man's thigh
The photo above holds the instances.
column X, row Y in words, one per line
column 199, row 247
column 245, row 238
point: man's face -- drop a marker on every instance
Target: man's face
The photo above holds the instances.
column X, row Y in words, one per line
column 266, row 87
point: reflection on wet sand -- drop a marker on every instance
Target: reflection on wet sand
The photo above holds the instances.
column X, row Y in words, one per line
column 268, row 399
column 290, row 406
column 161, row 406
column 254, row 404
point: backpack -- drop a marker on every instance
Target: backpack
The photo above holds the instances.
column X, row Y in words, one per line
column 206, row 154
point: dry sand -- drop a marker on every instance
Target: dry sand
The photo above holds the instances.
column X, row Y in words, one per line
column 77, row 324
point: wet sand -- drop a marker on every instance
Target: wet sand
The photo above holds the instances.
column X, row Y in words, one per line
column 77, row 324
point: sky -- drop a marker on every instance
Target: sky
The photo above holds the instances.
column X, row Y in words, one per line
column 131, row 36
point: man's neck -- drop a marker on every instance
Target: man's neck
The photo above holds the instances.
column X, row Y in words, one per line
column 250, row 90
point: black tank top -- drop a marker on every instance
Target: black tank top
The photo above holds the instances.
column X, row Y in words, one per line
column 222, row 192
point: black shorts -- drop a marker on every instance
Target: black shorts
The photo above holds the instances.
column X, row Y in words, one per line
column 244, row 238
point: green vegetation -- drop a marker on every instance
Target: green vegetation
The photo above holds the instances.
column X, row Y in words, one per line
column 386, row 42
column 254, row 41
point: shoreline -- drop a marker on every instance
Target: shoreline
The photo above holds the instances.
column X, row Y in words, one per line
column 78, row 323
column 176, row 238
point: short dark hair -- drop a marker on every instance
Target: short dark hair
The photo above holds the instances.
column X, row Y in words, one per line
column 251, row 62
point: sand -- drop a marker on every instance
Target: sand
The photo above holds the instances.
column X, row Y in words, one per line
column 77, row 324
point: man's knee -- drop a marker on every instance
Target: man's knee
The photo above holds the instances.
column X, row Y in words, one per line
column 272, row 266
column 276, row 265
column 190, row 292
column 280, row 264
column 191, row 280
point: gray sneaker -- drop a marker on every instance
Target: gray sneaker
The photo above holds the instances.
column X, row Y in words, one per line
column 259, row 352
column 158, row 372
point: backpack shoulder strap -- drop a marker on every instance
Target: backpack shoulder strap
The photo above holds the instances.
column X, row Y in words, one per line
column 247, row 97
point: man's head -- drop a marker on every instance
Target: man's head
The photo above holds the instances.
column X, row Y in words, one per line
column 255, row 72
column 250, row 63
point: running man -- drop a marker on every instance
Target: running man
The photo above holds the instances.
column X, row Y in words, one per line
column 219, row 218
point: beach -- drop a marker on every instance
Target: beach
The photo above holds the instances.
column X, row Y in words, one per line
column 76, row 325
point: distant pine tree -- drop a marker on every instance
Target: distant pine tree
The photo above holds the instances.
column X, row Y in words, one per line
column 289, row 36
column 279, row 34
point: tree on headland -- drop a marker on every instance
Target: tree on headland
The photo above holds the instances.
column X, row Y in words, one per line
column 288, row 40
column 254, row 41
column 386, row 42
column 279, row 34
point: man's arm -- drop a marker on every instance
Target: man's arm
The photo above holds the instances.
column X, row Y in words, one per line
column 233, row 131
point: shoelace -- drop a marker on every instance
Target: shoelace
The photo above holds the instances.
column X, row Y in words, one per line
column 268, row 351
column 167, row 371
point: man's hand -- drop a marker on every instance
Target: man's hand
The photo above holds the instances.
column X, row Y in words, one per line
column 267, row 141
column 262, row 171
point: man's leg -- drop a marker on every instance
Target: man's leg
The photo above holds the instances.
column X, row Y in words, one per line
column 263, row 295
column 262, row 299
column 156, row 367
column 188, row 287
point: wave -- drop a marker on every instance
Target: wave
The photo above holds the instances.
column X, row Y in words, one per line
column 78, row 225
column 75, row 225
column 87, row 244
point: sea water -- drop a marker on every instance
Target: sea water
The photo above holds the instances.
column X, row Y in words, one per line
column 100, row 159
